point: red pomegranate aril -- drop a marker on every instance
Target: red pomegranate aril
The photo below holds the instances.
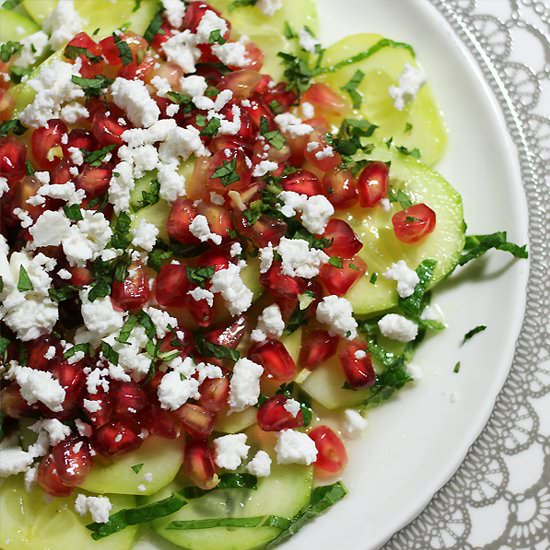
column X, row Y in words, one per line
column 257, row 111
column 13, row 155
column 340, row 187
column 228, row 172
column 317, row 347
column 201, row 311
column 357, row 365
column 93, row 49
column 230, row 336
column 373, row 183
column 414, row 223
column 172, row 286
column 338, row 280
column 104, row 406
column 332, row 456
column 219, row 219
column 273, row 417
column 72, row 379
column 214, row 257
column 161, row 422
column 12, row 402
column 37, row 349
column 195, row 12
column 325, row 99
column 61, row 173
column 214, row 394
column 80, row 276
column 107, row 129
column 242, row 83
column 197, row 421
column 176, row 340
column 73, row 460
column 280, row 94
column 7, row 104
column 48, row 478
column 79, row 139
column 302, row 182
column 280, row 285
column 46, row 144
column 115, row 438
column 345, row 243
column 94, row 181
column 132, row 293
column 129, row 398
column 322, row 155
column 198, row 463
column 275, row 359
column 181, row 215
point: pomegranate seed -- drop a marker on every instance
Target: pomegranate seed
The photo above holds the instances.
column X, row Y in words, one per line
column 7, row 103
column 200, row 310
column 273, row 417
column 373, row 184
column 128, row 399
column 80, row 139
column 197, row 421
column 338, row 280
column 13, row 155
column 60, row 173
column 12, row 402
column 181, row 215
column 172, row 286
column 214, row 394
column 322, row 156
column 36, row 349
column 317, row 347
column 255, row 56
column 219, row 219
column 214, row 257
column 133, row 293
column 325, row 99
column 94, row 181
column 281, row 95
column 161, row 422
column 275, row 359
column 414, row 223
column 198, row 463
column 80, row 276
column 357, row 365
column 345, row 243
column 340, row 188
column 72, row 379
column 281, row 286
column 302, row 182
column 115, row 438
column 181, row 343
column 242, row 83
column 46, row 144
column 229, row 337
column 331, row 452
column 257, row 111
column 194, row 14
column 82, row 40
column 106, row 129
column 73, row 460
column 264, row 231
column 48, row 478
column 105, row 408
column 229, row 171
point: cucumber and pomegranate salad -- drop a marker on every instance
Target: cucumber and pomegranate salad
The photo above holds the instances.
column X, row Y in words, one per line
column 214, row 230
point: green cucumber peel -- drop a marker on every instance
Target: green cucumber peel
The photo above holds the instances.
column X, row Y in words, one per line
column 167, row 506
column 248, row 523
column 477, row 245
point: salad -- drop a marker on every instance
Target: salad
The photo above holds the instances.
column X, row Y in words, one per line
column 219, row 242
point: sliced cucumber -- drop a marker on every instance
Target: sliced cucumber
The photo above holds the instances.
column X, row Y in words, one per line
column 382, row 70
column 381, row 246
column 236, row 422
column 107, row 15
column 267, row 32
column 32, row 521
column 160, row 457
column 14, row 26
column 292, row 343
column 283, row 493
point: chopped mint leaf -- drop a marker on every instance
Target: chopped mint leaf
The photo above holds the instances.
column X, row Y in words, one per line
column 373, row 278
column 154, row 27
column 73, row 212
column 18, row 73
column 13, row 126
column 241, row 4
column 408, row 128
column 93, row 87
column 209, row 349
column 227, row 173
column 29, row 167
column 415, row 303
column 276, row 107
column 298, row 318
column 289, row 32
column 9, row 49
column 72, row 52
column 258, row 521
column 137, row 5
column 471, row 333
column 151, row 196
column 121, row 238
column 11, row 4
column 109, row 353
column 456, row 369
column 137, row 468
column 127, row 329
column 477, row 245
column 24, row 284
column 415, row 153
column 84, row 348
column 397, row 195
column 211, row 128
column 63, row 293
column 216, row 37
column 158, row 257
column 123, row 49
column 200, row 275
column 351, row 89
column 273, row 137
column 97, row 158
column 336, row 262
column 4, row 343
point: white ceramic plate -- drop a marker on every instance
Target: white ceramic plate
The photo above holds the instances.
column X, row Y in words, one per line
column 418, row 440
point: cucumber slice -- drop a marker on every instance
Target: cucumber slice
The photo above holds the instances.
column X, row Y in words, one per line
column 160, row 457
column 267, row 32
column 383, row 70
column 107, row 15
column 382, row 248
column 236, row 422
column 283, row 493
column 31, row 521
column 15, row 26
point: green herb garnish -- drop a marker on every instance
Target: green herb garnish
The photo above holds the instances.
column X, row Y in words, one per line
column 351, row 89
column 471, row 333
column 477, row 245
column 227, row 173
column 24, row 283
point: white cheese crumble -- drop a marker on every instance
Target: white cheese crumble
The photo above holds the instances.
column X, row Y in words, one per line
column 244, row 387
column 175, row 390
column 4, row 187
column 295, row 447
column 34, row 47
column 172, row 183
column 38, row 385
column 199, row 294
column 337, row 314
column 232, row 54
column 406, row 278
column 266, row 257
column 299, row 260
column 238, row 297
column 174, row 11
column 292, row 406
column 145, row 235
column 133, row 98
column 316, row 210
column 397, row 327
column 63, row 23
column 270, row 324
column 264, row 167
column 99, row 507
column 181, row 49
column 410, row 82
column 293, row 125
column 99, row 316
column 354, row 423
column 56, row 430
column 308, row 41
column 14, row 460
column 162, row 320
column 230, row 450
column 260, row 465
column 200, row 229
column 269, row 7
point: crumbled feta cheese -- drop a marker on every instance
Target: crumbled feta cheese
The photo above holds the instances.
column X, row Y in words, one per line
column 172, row 183
column 14, row 460
column 50, row 353
column 63, row 23
column 410, row 82
column 270, row 324
column 406, row 278
column 316, row 214
column 175, row 390
column 235, row 250
column 293, row 125
column 354, row 423
column 99, row 316
column 325, row 153
column 238, row 297
column 56, row 430
column 299, row 260
column 292, row 406
column 174, row 11
column 200, row 229
column 209, row 23
column 266, row 258
column 308, row 110
column 397, row 327
column 244, row 387
column 34, row 47
column 337, row 314
column 92, row 406
column 199, row 294
column 133, row 98
column 414, row 371
column 50, row 229
column 230, row 450
column 162, row 320
column 308, row 41
column 360, row 354
column 99, row 507
column 264, row 167
column 38, row 385
column 23, row 215
column 173, row 109
column 181, row 49
column 63, row 191
column 145, row 235
column 121, row 185
column 232, row 54
column 30, row 479
column 385, row 204
column 193, row 85
column 269, row 7
column 260, row 465
column 4, row 187
column 295, row 447
column 432, row 312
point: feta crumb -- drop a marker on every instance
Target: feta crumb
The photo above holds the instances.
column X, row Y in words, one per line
column 260, row 465
column 232, row 54
column 316, row 214
column 99, row 316
column 199, row 294
column 238, row 297
column 263, row 168
column 235, row 250
column 99, row 507
column 174, row 11
column 145, row 235
column 299, row 260
column 415, row 371
column 37, row 385
column 200, row 229
column 56, row 430
column 266, row 258
column 181, row 49
column 162, row 320
column 270, row 324
column 215, row 198
column 63, row 23
column 406, row 278
column 14, row 460
column 308, row 41
column 133, row 98
column 4, row 187
column 244, row 387
column 293, row 125
column 385, row 204
column 30, row 478
column 337, row 314
column 397, row 327
column 194, row 85
column 50, row 353
column 173, row 109
column 292, row 406
column 354, row 423
column 172, row 183
column 410, row 82
column 230, row 450
column 92, row 406
column 295, row 447
column 308, row 110
column 175, row 390
column 269, row 7
column 34, row 47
